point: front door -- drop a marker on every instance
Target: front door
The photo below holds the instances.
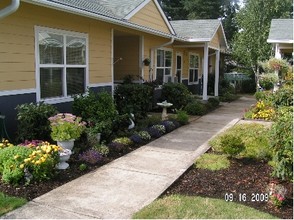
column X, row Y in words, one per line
column 179, row 65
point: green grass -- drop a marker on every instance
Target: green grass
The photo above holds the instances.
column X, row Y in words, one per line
column 8, row 203
column 255, row 137
column 212, row 162
column 179, row 207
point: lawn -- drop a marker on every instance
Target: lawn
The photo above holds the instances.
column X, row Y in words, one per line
column 8, row 203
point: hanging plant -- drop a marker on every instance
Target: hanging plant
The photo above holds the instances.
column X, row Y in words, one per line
column 146, row 61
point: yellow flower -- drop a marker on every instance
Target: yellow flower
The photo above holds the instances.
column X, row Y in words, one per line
column 21, row 166
column 27, row 160
column 16, row 156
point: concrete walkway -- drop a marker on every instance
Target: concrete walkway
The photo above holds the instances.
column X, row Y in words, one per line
column 124, row 186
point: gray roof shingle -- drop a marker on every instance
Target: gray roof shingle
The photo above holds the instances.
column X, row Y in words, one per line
column 281, row 30
column 114, row 8
column 196, row 29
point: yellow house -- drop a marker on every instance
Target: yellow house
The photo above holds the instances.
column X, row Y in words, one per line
column 53, row 49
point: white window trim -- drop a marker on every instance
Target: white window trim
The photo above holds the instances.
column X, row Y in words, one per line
column 38, row 65
column 182, row 64
column 171, row 67
column 194, row 82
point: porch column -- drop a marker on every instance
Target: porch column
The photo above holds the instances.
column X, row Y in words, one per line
column 277, row 51
column 216, row 80
column 205, row 72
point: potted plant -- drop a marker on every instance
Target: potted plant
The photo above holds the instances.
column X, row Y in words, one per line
column 66, row 128
column 95, row 130
column 146, row 61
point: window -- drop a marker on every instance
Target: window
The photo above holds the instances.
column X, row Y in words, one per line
column 163, row 66
column 61, row 63
column 193, row 68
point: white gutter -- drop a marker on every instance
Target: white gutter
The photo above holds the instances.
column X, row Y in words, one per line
column 9, row 9
column 153, row 53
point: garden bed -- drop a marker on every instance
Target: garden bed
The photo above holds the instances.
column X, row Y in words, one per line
column 244, row 176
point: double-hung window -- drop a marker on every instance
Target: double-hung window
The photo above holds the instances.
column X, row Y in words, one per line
column 193, row 68
column 163, row 66
column 61, row 64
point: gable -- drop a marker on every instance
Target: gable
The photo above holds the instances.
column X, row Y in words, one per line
column 150, row 16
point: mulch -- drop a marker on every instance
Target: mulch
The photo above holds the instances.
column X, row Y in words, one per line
column 244, row 182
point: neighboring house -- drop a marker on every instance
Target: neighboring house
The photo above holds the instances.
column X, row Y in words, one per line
column 281, row 37
column 53, row 49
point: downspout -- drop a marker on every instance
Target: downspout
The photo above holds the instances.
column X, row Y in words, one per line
column 152, row 56
column 9, row 9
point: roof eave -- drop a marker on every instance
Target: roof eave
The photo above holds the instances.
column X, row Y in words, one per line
column 274, row 41
column 95, row 16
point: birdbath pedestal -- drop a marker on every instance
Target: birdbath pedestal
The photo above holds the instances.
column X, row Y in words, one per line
column 164, row 106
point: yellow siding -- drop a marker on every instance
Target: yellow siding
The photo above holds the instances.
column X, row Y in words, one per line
column 17, row 43
column 149, row 16
column 215, row 42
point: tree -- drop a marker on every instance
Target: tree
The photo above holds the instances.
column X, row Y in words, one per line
column 174, row 9
column 253, row 20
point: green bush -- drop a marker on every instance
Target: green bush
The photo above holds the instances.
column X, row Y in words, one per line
column 228, row 97
column 133, row 98
column 10, row 160
column 225, row 87
column 268, row 80
column 282, row 144
column 33, row 123
column 232, row 144
column 283, row 97
column 175, row 93
column 248, row 86
column 182, row 117
column 214, row 102
column 264, row 96
column 195, row 108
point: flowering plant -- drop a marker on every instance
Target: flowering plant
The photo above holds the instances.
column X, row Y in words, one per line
column 277, row 194
column 65, row 126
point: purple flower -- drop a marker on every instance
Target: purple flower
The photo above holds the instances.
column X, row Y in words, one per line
column 115, row 146
column 91, row 156
column 137, row 139
column 154, row 133
column 169, row 125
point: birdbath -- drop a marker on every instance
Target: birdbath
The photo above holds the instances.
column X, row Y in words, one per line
column 164, row 106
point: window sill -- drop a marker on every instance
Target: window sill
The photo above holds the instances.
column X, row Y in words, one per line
column 57, row 100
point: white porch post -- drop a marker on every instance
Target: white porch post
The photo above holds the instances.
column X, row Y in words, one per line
column 205, row 72
column 216, row 80
column 277, row 51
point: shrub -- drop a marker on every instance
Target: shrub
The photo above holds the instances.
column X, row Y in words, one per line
column 263, row 96
column 248, row 86
column 102, row 149
column 175, row 93
column 282, row 143
column 91, row 156
column 133, row 98
column 33, row 121
column 231, row 144
column 144, row 135
column 169, row 125
column 214, row 102
column 212, row 162
column 19, row 163
column 283, row 97
column 159, row 128
column 153, row 132
column 195, row 108
column 182, row 117
column 228, row 97
column 82, row 167
column 268, row 80
column 137, row 139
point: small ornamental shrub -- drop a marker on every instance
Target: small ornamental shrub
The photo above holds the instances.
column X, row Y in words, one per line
column 91, row 156
column 102, row 149
column 133, row 98
column 231, row 145
column 144, row 135
column 123, row 140
column 82, row 167
column 261, row 110
column 277, row 194
column 175, row 93
column 153, row 132
column 282, row 144
column 26, row 163
column 265, row 96
column 33, row 121
column 137, row 139
column 228, row 97
column 214, row 102
column 195, row 108
column 116, row 147
column 182, row 117
column 159, row 128
column 169, row 125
